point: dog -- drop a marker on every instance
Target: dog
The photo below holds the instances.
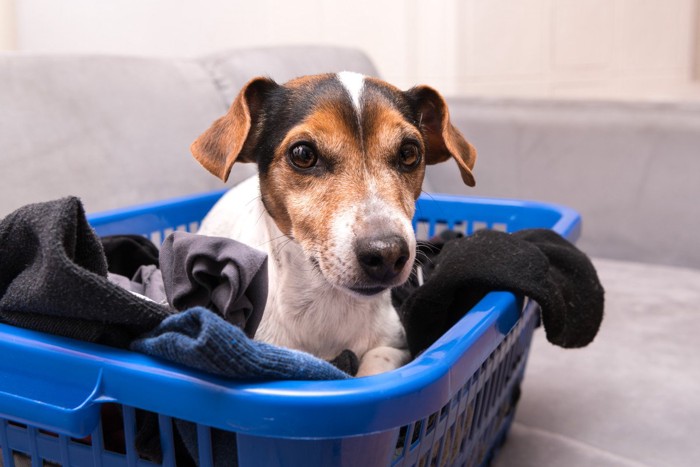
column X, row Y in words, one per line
column 341, row 160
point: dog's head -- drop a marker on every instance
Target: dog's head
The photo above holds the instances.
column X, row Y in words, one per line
column 341, row 159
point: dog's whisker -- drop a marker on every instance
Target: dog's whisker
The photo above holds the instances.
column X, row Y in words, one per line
column 421, row 254
column 430, row 195
column 415, row 267
column 423, row 258
column 253, row 200
column 281, row 246
column 428, row 246
column 282, row 236
column 262, row 213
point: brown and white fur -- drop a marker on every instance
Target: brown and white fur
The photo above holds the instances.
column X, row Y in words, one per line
column 341, row 160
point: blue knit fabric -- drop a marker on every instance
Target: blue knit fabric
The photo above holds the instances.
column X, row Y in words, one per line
column 200, row 339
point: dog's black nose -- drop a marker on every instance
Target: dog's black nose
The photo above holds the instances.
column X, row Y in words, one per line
column 382, row 258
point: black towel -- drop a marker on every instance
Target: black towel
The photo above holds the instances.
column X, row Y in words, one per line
column 537, row 263
column 53, row 278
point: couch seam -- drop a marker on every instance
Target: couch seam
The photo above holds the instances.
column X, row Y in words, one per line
column 218, row 80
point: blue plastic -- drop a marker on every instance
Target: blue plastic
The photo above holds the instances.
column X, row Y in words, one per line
column 452, row 405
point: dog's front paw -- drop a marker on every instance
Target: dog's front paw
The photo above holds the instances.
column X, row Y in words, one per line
column 381, row 359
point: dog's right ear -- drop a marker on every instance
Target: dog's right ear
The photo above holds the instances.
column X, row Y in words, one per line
column 443, row 139
column 231, row 137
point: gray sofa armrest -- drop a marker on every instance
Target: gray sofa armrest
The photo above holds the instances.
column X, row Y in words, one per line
column 113, row 130
column 631, row 169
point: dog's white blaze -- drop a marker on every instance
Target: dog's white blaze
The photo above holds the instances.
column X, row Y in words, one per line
column 353, row 83
column 343, row 235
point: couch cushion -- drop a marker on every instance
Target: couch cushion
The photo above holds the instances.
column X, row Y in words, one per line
column 112, row 130
column 232, row 69
column 631, row 398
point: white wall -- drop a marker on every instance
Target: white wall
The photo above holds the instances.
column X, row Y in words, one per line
column 518, row 47
column 696, row 74
column 8, row 35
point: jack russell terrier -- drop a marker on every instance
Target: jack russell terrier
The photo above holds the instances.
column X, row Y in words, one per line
column 341, row 160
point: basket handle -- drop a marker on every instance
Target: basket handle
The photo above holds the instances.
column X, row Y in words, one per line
column 45, row 390
column 55, row 413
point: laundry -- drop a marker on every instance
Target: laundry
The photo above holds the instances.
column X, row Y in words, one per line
column 147, row 282
column 536, row 263
column 199, row 338
column 132, row 263
column 426, row 253
column 127, row 253
column 53, row 245
column 223, row 275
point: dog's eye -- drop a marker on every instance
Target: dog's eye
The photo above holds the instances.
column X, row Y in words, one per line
column 302, row 156
column 409, row 156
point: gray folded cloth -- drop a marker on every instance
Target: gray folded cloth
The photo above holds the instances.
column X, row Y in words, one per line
column 220, row 274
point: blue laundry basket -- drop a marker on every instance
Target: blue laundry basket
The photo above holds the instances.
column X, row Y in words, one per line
column 451, row 406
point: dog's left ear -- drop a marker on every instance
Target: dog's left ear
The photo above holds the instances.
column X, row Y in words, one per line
column 232, row 137
column 442, row 139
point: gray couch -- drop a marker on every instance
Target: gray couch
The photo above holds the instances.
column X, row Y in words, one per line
column 116, row 131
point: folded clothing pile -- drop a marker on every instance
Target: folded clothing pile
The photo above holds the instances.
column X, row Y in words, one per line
column 52, row 245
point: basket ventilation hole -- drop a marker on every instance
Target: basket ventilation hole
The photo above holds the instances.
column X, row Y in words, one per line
column 431, row 423
column 400, row 443
column 478, row 225
column 156, row 238
column 445, row 409
column 440, row 227
column 460, row 227
column 415, row 437
column 422, row 230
